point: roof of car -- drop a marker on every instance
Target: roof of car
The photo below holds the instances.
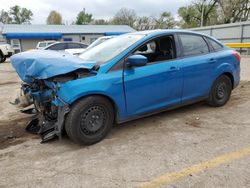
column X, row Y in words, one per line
column 58, row 42
column 106, row 37
column 68, row 42
column 48, row 41
column 162, row 31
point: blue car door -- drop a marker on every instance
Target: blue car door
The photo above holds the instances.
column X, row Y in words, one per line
column 157, row 84
column 197, row 67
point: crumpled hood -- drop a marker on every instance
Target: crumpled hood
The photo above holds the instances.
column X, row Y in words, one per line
column 43, row 64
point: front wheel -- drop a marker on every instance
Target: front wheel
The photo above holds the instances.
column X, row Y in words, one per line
column 220, row 92
column 89, row 120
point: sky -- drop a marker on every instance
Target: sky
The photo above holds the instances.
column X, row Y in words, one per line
column 101, row 9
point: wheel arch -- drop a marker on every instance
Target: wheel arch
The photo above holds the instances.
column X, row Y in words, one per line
column 112, row 102
column 230, row 75
column 224, row 69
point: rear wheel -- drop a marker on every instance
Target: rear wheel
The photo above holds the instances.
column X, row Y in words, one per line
column 89, row 120
column 2, row 57
column 220, row 92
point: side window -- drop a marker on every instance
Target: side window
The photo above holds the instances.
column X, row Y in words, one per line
column 83, row 46
column 59, row 46
column 193, row 45
column 215, row 45
column 159, row 49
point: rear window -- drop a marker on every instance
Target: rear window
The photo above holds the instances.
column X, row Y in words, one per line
column 215, row 45
column 58, row 46
column 193, row 45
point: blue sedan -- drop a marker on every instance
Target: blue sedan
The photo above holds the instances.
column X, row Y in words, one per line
column 127, row 77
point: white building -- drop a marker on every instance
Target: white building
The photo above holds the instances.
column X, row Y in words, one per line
column 25, row 37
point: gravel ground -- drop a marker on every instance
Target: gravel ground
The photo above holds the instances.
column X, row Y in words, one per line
column 134, row 152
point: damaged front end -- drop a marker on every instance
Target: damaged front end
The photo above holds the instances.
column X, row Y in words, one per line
column 49, row 116
column 43, row 73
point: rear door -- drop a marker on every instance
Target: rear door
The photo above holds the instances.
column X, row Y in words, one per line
column 197, row 65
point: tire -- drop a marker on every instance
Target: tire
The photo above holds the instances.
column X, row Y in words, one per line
column 2, row 57
column 89, row 120
column 220, row 92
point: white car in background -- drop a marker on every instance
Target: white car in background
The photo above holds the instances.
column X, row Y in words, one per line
column 69, row 47
column 44, row 44
column 93, row 44
column 99, row 41
column 5, row 51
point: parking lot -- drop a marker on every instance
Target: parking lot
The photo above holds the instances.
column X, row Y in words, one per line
column 194, row 146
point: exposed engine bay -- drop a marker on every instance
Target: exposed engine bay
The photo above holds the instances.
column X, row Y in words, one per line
column 43, row 74
column 49, row 115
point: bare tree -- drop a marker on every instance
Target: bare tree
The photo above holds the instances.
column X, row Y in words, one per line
column 125, row 17
column 144, row 23
column 100, row 22
column 233, row 10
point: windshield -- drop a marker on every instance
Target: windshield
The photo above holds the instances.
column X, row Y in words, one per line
column 42, row 44
column 49, row 43
column 110, row 48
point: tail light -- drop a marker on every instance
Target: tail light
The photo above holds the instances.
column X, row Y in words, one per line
column 237, row 55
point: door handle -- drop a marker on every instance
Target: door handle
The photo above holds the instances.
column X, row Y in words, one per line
column 212, row 60
column 174, row 68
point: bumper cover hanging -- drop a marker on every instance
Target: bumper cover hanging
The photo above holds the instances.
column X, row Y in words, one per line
column 48, row 130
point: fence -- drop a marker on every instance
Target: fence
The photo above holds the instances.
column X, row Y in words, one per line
column 230, row 34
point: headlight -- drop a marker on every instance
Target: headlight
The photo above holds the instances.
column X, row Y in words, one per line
column 8, row 47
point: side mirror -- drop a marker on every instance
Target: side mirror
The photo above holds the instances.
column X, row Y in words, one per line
column 136, row 60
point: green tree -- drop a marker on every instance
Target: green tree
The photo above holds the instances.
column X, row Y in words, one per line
column 190, row 17
column 54, row 18
column 20, row 15
column 165, row 21
column 199, row 13
column 16, row 15
column 83, row 18
column 4, row 17
column 125, row 17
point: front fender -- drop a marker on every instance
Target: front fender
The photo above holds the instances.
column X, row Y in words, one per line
column 109, row 85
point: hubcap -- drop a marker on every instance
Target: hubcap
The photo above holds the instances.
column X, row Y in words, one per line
column 221, row 90
column 93, row 120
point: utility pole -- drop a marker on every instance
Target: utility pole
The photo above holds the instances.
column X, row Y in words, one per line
column 202, row 12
